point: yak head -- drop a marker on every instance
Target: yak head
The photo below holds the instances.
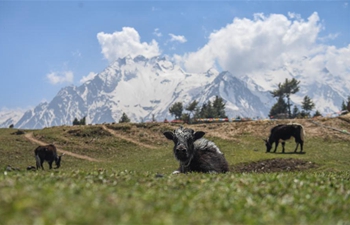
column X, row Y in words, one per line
column 268, row 145
column 58, row 161
column 183, row 139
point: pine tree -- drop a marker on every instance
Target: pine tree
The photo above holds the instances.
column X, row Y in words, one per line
column 83, row 121
column 296, row 112
column 124, row 119
column 307, row 105
column 176, row 110
column 343, row 106
column 284, row 91
column 317, row 113
column 75, row 122
column 191, row 108
column 346, row 105
column 219, row 107
column 279, row 108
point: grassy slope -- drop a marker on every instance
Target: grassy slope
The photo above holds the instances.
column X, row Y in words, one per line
column 125, row 187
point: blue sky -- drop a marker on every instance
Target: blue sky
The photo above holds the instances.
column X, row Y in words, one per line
column 47, row 45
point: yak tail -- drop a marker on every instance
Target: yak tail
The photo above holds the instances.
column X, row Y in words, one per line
column 302, row 132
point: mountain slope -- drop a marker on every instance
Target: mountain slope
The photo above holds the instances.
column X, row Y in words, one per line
column 144, row 88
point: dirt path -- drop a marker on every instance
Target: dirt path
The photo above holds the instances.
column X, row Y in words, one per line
column 30, row 137
column 115, row 134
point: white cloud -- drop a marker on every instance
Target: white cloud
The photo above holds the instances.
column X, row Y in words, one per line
column 126, row 42
column 329, row 37
column 90, row 76
column 178, row 38
column 157, row 33
column 248, row 45
column 60, row 77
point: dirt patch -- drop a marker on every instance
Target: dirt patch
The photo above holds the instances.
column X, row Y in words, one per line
column 117, row 135
column 273, row 165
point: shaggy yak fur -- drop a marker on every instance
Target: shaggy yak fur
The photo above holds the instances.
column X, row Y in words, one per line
column 47, row 153
column 283, row 132
column 196, row 154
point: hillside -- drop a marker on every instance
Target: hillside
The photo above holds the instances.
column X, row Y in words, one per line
column 115, row 145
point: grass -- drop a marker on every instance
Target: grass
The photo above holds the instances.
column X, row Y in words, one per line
column 134, row 185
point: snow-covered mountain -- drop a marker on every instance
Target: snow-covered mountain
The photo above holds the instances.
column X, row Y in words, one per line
column 9, row 117
column 142, row 87
column 326, row 90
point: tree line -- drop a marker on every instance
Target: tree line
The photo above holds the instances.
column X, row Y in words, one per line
column 209, row 109
column 283, row 108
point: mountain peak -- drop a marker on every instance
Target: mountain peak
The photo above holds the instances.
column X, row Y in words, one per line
column 145, row 87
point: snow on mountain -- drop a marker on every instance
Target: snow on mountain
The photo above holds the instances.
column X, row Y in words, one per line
column 8, row 117
column 327, row 90
column 239, row 99
column 145, row 87
column 139, row 86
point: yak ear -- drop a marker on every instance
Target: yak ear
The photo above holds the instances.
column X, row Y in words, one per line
column 198, row 135
column 169, row 135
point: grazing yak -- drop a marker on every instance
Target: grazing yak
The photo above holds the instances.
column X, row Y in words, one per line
column 283, row 132
column 196, row 154
column 47, row 153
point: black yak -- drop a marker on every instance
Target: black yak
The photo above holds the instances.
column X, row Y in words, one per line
column 283, row 132
column 47, row 153
column 196, row 154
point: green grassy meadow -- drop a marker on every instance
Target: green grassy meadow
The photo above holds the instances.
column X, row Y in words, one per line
column 131, row 181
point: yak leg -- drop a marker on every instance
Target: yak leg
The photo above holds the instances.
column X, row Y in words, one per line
column 37, row 160
column 50, row 164
column 276, row 145
column 283, row 144
column 178, row 170
column 301, row 145
column 296, row 148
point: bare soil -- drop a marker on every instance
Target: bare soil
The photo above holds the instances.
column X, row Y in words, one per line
column 273, row 165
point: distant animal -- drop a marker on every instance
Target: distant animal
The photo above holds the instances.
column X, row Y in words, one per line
column 195, row 153
column 284, row 132
column 47, row 153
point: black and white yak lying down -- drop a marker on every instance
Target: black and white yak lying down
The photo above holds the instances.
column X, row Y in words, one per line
column 284, row 132
column 47, row 153
column 196, row 154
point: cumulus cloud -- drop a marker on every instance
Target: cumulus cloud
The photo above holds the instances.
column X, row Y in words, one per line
column 124, row 43
column 90, row 76
column 60, row 77
column 247, row 45
column 178, row 38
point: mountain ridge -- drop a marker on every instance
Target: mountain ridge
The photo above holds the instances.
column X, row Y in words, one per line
column 144, row 88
